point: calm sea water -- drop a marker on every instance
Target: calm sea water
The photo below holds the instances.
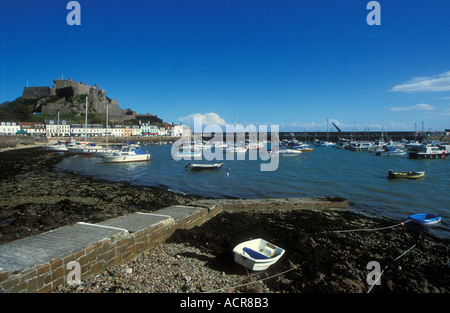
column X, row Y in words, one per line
column 360, row 177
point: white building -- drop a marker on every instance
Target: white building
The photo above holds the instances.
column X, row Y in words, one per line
column 9, row 128
column 136, row 131
column 53, row 129
column 162, row 131
column 180, row 131
column 92, row 130
column 116, row 131
column 149, row 130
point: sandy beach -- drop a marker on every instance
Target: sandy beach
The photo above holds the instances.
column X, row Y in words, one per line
column 324, row 253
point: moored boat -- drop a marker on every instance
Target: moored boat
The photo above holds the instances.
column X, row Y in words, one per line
column 86, row 149
column 205, row 166
column 289, row 152
column 408, row 175
column 360, row 146
column 391, row 151
column 236, row 149
column 57, row 147
column 295, row 145
column 127, row 154
column 427, row 152
column 323, row 143
column 257, row 254
column 425, row 218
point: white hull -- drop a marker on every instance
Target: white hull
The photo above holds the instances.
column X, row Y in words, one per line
column 127, row 154
column 392, row 153
column 187, row 155
column 288, row 152
column 257, row 254
column 56, row 148
column 86, row 150
column 126, row 158
column 236, row 150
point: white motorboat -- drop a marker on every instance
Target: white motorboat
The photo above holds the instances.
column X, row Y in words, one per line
column 287, row 152
column 427, row 152
column 108, row 150
column 257, row 254
column 324, row 143
column 360, row 146
column 127, row 154
column 236, row 149
column 391, row 151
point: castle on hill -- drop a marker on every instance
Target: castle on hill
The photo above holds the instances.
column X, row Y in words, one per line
column 67, row 95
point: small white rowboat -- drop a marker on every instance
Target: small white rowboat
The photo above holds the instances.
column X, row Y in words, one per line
column 257, row 254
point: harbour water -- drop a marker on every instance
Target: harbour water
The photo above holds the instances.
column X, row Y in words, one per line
column 360, row 177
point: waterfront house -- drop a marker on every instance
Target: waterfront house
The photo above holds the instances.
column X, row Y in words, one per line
column 180, row 131
column 53, row 129
column 149, row 130
column 127, row 131
column 116, row 131
column 33, row 128
column 9, row 128
column 135, row 130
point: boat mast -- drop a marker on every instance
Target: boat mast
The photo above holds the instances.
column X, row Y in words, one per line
column 327, row 129
column 57, row 129
column 106, row 123
column 85, row 123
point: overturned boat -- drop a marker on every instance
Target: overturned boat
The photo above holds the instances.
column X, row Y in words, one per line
column 257, row 254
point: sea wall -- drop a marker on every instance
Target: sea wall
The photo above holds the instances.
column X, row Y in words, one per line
column 13, row 141
column 40, row 263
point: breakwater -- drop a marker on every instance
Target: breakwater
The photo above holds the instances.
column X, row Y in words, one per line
column 365, row 135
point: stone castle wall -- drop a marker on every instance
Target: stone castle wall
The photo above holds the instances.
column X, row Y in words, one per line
column 35, row 93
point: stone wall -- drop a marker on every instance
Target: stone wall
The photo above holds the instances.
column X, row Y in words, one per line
column 35, row 93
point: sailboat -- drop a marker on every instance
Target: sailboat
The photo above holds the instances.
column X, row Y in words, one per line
column 85, row 148
column 324, row 143
column 58, row 146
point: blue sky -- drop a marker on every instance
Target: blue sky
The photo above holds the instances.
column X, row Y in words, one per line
column 288, row 63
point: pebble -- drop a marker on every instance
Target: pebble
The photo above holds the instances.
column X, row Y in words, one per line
column 167, row 268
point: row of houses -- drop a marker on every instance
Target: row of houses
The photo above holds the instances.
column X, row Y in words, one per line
column 52, row 128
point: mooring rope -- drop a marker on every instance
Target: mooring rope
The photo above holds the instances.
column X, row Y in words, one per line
column 363, row 229
column 254, row 282
column 405, row 252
